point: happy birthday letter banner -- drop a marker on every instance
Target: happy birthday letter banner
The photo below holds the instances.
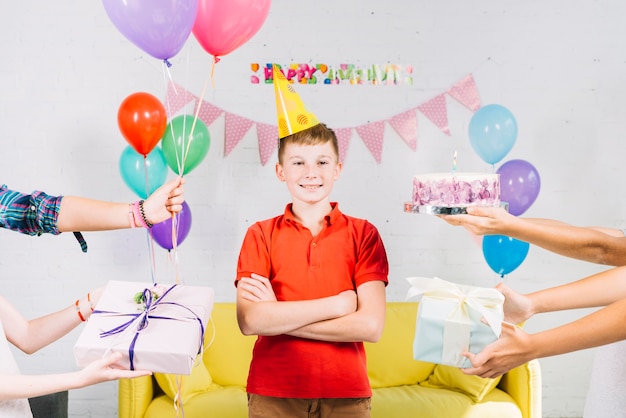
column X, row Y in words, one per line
column 372, row 133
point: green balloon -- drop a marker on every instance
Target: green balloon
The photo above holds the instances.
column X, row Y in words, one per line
column 183, row 149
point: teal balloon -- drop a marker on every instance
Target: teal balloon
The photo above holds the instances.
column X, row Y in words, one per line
column 143, row 175
column 181, row 149
column 492, row 132
column 504, row 254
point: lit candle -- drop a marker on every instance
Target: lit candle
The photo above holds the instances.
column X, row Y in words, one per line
column 454, row 163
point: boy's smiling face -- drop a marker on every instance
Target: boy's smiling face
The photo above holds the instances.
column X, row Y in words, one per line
column 309, row 171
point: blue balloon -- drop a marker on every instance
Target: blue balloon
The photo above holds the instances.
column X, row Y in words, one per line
column 492, row 132
column 143, row 175
column 504, row 254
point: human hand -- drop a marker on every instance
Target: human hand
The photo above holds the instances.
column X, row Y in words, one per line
column 165, row 201
column 517, row 307
column 256, row 288
column 481, row 220
column 512, row 349
column 105, row 369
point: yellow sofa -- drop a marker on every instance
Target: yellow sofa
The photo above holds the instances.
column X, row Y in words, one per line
column 403, row 387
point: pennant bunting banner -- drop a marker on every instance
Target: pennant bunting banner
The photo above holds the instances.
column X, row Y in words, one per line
column 405, row 124
column 235, row 128
column 372, row 135
column 177, row 98
column 208, row 112
column 268, row 141
column 436, row 110
column 465, row 92
column 343, row 139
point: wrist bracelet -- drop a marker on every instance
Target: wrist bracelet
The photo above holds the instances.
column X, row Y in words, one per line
column 137, row 214
column 91, row 305
column 80, row 315
column 143, row 216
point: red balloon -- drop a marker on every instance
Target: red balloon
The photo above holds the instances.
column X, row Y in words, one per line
column 221, row 26
column 142, row 120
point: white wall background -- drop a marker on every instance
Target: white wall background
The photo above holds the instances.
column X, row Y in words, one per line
column 560, row 70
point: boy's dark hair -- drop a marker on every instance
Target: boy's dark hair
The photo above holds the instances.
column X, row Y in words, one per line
column 318, row 134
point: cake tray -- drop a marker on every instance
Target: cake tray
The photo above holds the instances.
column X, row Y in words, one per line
column 442, row 210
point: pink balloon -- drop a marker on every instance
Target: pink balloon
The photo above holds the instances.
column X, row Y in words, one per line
column 222, row 26
column 158, row 27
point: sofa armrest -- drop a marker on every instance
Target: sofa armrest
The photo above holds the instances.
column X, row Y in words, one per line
column 134, row 396
column 523, row 384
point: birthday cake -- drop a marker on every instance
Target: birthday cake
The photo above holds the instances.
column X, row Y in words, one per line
column 456, row 190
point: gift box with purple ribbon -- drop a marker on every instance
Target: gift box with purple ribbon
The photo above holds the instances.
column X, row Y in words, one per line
column 157, row 327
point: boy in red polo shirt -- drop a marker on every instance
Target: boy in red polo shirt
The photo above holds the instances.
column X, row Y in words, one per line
column 310, row 283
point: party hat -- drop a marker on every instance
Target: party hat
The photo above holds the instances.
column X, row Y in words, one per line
column 290, row 111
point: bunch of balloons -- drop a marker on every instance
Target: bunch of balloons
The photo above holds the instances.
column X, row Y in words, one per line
column 492, row 132
column 161, row 27
column 184, row 143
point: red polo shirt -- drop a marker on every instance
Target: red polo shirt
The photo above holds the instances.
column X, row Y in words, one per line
column 345, row 254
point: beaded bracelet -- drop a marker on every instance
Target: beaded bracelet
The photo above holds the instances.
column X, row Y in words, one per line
column 143, row 216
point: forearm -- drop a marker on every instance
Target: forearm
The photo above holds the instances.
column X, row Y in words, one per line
column 357, row 326
column 29, row 386
column 282, row 317
column 82, row 214
column 599, row 328
column 40, row 332
column 600, row 289
column 597, row 245
column 365, row 324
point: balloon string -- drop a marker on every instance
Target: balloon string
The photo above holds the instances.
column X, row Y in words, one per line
column 167, row 78
column 175, row 245
column 199, row 105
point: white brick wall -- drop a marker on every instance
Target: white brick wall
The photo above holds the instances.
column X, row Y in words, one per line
column 65, row 70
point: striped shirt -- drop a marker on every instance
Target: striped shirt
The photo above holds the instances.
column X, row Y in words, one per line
column 31, row 214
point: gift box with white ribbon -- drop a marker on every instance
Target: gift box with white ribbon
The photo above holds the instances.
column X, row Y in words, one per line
column 453, row 318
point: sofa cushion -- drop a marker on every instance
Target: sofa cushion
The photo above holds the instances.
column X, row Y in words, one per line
column 390, row 360
column 448, row 377
column 198, row 381
column 229, row 402
column 224, row 340
column 418, row 401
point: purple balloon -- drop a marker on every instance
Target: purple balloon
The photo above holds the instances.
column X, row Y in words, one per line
column 162, row 232
column 158, row 27
column 519, row 185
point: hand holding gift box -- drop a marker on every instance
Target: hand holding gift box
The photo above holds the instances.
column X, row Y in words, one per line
column 156, row 327
column 454, row 318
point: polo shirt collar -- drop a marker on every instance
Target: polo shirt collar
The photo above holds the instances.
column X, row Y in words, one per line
column 330, row 218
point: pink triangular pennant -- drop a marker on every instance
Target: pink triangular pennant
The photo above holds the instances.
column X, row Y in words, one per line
column 372, row 135
column 343, row 138
column 465, row 92
column 436, row 110
column 405, row 124
column 235, row 127
column 207, row 112
column 177, row 98
column 268, row 140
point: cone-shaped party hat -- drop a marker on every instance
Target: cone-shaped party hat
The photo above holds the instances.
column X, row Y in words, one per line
column 290, row 111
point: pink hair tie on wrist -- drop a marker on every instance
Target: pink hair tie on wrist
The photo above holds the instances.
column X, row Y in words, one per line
column 138, row 211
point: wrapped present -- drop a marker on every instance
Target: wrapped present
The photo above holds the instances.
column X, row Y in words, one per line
column 158, row 327
column 454, row 318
